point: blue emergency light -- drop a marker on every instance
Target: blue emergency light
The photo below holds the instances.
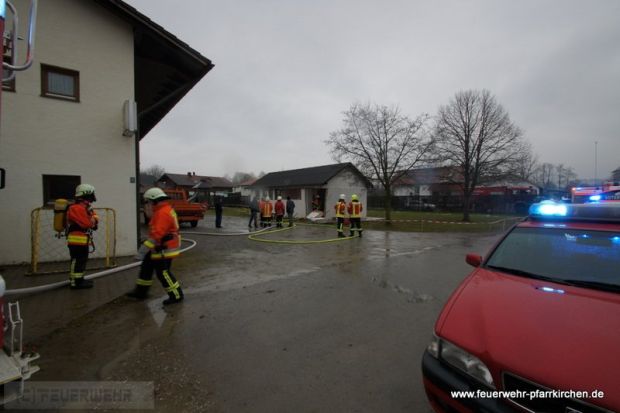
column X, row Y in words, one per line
column 548, row 209
column 595, row 198
column 596, row 211
column 2, row 8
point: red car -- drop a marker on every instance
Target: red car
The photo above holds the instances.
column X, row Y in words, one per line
column 536, row 326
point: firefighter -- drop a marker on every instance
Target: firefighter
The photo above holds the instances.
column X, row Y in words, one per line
column 254, row 209
column 341, row 209
column 158, row 251
column 355, row 209
column 290, row 210
column 261, row 205
column 81, row 222
column 266, row 211
column 279, row 209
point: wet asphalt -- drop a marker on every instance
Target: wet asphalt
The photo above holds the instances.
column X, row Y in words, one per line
column 269, row 327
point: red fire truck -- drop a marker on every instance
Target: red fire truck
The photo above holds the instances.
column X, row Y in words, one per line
column 580, row 195
column 15, row 364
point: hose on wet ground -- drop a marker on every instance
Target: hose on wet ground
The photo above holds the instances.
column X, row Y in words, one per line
column 254, row 237
column 51, row 286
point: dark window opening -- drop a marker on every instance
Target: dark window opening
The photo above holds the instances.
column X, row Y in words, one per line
column 59, row 186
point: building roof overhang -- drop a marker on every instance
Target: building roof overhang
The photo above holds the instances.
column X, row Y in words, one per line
column 166, row 68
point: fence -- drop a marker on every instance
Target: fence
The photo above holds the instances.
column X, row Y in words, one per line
column 506, row 204
column 429, row 225
column 49, row 249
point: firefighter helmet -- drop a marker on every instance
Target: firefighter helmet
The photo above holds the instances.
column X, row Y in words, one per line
column 279, row 198
column 353, row 197
column 155, row 194
column 341, row 196
column 86, row 191
column 267, row 199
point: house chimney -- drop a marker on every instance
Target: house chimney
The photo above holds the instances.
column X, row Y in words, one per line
column 194, row 173
column 189, row 174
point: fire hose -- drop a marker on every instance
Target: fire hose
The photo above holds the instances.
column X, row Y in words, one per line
column 52, row 286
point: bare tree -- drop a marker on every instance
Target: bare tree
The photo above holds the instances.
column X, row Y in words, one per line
column 526, row 163
column 156, row 171
column 566, row 175
column 570, row 176
column 544, row 175
column 559, row 171
column 381, row 142
column 475, row 134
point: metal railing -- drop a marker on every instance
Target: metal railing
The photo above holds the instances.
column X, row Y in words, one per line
column 49, row 252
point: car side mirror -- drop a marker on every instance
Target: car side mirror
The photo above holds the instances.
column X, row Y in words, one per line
column 473, row 259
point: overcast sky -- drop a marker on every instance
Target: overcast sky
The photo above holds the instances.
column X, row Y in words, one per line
column 286, row 70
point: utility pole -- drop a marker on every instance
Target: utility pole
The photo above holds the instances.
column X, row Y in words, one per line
column 595, row 163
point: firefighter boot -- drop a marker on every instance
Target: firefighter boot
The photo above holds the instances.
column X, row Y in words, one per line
column 174, row 298
column 139, row 293
column 80, row 284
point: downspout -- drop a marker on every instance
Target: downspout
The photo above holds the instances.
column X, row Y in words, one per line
column 138, row 200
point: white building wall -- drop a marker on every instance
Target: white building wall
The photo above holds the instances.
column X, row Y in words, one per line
column 405, row 191
column 412, row 190
column 347, row 183
column 54, row 137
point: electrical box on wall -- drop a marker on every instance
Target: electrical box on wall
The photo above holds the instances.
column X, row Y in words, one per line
column 130, row 118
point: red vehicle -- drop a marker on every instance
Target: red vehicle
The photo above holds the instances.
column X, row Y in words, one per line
column 186, row 210
column 536, row 326
column 580, row 195
column 15, row 365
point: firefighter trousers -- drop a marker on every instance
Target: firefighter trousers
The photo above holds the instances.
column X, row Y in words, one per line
column 79, row 258
column 161, row 268
column 340, row 226
column 356, row 225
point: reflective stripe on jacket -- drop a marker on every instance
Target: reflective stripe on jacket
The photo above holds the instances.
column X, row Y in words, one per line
column 355, row 209
column 80, row 220
column 341, row 209
column 164, row 240
column 267, row 209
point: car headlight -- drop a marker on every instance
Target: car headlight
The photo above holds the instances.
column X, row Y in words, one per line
column 460, row 359
column 433, row 347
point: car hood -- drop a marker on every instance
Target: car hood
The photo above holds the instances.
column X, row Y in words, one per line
column 565, row 341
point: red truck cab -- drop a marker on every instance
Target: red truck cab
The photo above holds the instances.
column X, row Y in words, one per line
column 536, row 326
column 186, row 210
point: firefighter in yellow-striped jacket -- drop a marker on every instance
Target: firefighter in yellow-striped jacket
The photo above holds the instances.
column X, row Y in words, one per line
column 341, row 211
column 355, row 209
column 81, row 221
column 158, row 251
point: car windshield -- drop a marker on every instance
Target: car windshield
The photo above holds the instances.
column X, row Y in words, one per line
column 575, row 257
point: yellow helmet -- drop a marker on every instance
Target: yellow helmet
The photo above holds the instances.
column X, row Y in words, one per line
column 155, row 194
column 353, row 197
